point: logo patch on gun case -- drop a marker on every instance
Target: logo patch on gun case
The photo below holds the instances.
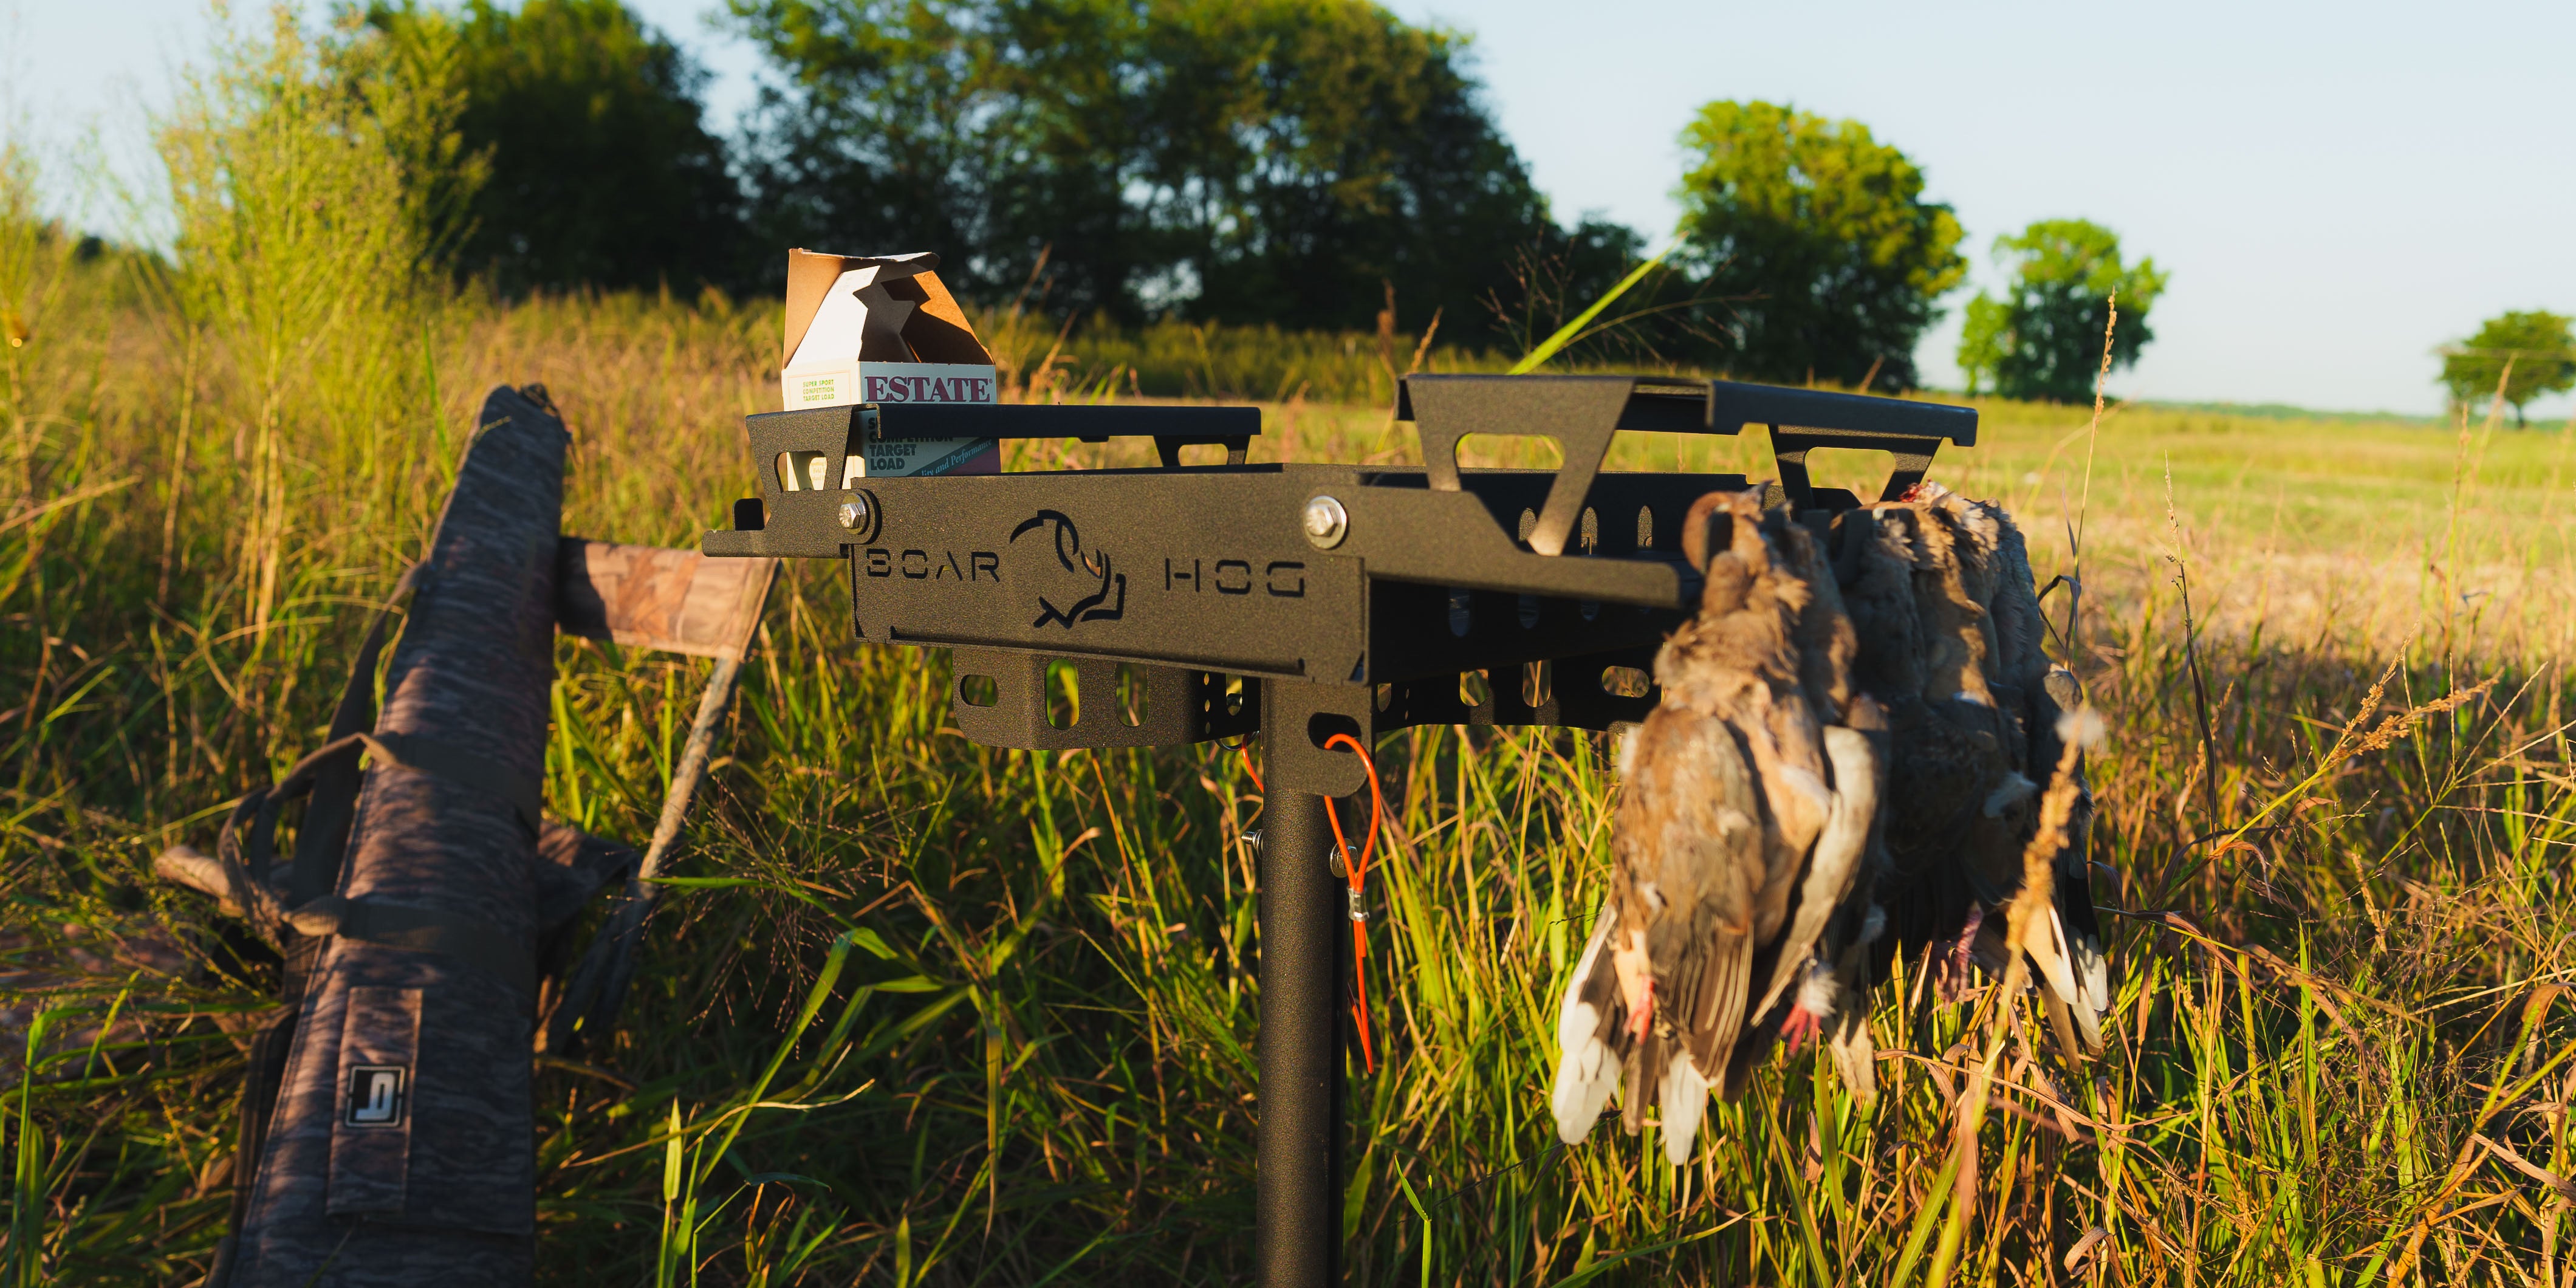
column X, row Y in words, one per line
column 377, row 1095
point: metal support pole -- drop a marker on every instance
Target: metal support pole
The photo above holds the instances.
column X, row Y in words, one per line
column 1297, row 1243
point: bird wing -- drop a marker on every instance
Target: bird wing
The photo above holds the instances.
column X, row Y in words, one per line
column 1835, row 863
column 1690, row 845
column 1824, row 637
column 1977, row 538
column 2020, row 661
column 1874, row 569
column 1710, row 856
column 1953, row 641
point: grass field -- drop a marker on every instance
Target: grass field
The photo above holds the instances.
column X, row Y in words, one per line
column 922, row 1012
column 917, row 1012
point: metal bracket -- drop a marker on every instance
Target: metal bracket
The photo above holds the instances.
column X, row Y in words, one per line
column 1579, row 412
column 1789, row 448
column 1583, row 412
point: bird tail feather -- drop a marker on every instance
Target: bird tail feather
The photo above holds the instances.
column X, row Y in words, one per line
column 1588, row 1028
column 2046, row 945
column 1684, row 1096
column 2093, row 998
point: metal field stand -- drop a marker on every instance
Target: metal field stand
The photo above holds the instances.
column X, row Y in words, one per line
column 1298, row 602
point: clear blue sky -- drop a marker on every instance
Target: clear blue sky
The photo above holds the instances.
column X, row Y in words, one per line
column 2334, row 189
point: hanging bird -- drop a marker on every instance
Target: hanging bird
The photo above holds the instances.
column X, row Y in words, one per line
column 2065, row 951
column 1740, row 839
column 1939, row 589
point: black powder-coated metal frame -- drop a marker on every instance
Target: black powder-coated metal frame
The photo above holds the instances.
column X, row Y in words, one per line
column 1191, row 603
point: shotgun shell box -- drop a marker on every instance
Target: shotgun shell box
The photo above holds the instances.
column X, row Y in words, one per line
column 882, row 329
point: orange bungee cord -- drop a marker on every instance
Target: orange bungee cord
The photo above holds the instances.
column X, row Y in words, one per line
column 1356, row 869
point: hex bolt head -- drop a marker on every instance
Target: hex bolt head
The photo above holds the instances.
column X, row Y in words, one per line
column 854, row 513
column 1326, row 522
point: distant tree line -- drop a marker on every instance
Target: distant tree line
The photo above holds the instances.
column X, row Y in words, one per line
column 1286, row 162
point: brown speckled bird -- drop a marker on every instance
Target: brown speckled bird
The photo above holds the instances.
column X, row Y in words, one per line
column 1739, row 895
column 1939, row 591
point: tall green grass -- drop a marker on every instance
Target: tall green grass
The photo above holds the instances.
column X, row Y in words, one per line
column 918, row 1012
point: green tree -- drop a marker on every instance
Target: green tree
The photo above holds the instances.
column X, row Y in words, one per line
column 2043, row 340
column 2528, row 353
column 1820, row 236
column 1266, row 161
column 1981, row 339
column 600, row 170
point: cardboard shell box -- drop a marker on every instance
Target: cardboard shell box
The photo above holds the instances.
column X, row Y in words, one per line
column 882, row 329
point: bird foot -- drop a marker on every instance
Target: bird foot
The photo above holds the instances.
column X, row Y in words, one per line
column 1954, row 967
column 1799, row 1027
